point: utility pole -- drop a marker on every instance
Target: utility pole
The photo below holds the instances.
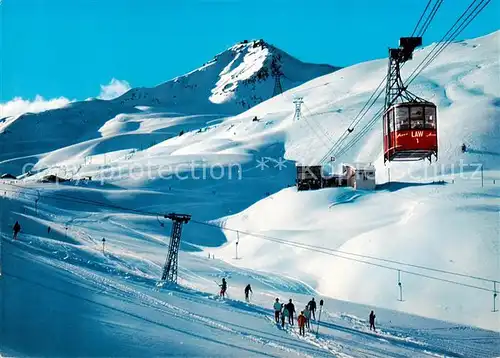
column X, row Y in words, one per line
column 298, row 104
column 171, row 263
column 495, row 294
column 237, row 242
column 400, row 286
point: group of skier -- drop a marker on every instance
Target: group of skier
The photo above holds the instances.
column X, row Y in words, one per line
column 282, row 312
column 223, row 290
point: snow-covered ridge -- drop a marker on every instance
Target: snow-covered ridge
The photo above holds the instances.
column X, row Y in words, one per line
column 232, row 82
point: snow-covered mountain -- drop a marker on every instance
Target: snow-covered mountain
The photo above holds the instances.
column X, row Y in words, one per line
column 235, row 176
column 232, row 82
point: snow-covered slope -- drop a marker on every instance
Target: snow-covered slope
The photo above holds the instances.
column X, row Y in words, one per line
column 61, row 295
column 233, row 81
column 441, row 216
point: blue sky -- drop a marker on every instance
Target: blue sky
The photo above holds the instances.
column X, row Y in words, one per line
column 69, row 48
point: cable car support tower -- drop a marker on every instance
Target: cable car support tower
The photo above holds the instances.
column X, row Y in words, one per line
column 277, row 74
column 172, row 261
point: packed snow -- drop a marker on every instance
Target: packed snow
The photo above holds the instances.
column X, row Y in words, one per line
column 64, row 295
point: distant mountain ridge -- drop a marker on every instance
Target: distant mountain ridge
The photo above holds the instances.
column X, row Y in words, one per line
column 233, row 81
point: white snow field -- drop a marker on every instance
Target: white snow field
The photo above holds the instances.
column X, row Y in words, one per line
column 62, row 296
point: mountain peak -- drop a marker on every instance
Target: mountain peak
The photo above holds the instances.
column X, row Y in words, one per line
column 252, row 43
column 235, row 80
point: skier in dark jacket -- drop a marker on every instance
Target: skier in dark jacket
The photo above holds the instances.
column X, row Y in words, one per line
column 291, row 310
column 312, row 308
column 248, row 289
column 372, row 321
column 223, row 288
column 16, row 230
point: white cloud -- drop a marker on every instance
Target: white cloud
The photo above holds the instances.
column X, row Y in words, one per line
column 114, row 89
column 19, row 106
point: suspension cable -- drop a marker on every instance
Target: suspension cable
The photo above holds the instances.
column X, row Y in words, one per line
column 421, row 17
column 270, row 238
column 427, row 23
column 337, row 253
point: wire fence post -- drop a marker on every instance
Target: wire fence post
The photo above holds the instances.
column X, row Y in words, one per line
column 495, row 296
column 400, row 286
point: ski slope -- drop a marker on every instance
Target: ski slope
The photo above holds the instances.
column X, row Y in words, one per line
column 71, row 299
column 231, row 171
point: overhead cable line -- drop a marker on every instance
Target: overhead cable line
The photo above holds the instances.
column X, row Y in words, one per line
column 421, row 18
column 427, row 23
column 330, row 250
column 282, row 241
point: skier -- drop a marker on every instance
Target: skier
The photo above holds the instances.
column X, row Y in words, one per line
column 301, row 320
column 16, row 230
column 312, row 308
column 372, row 321
column 464, row 148
column 291, row 310
column 48, row 230
column 307, row 315
column 248, row 289
column 284, row 315
column 223, row 288
column 277, row 309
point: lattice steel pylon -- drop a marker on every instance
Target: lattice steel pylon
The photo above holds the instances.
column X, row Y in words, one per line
column 172, row 261
column 277, row 74
column 298, row 105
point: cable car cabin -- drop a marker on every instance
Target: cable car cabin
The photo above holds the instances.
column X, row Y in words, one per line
column 410, row 132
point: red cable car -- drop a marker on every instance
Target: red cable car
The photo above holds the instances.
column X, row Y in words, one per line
column 410, row 131
column 410, row 122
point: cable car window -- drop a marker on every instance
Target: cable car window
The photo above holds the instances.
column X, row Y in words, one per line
column 402, row 119
column 430, row 117
column 417, row 117
column 390, row 118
